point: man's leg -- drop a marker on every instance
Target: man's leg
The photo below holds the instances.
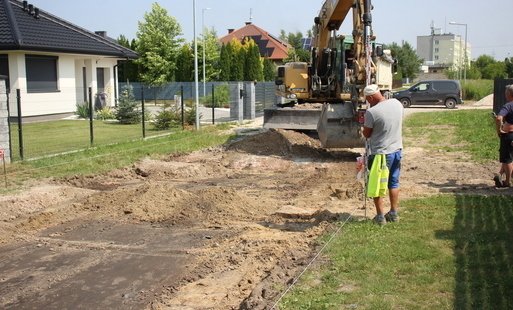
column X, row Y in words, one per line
column 508, row 169
column 394, row 198
column 378, row 202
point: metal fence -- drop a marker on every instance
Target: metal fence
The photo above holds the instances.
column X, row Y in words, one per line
column 47, row 134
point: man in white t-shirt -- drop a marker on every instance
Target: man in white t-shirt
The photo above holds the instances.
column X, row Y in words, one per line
column 383, row 128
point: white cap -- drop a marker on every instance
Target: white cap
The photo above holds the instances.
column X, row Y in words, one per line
column 370, row 90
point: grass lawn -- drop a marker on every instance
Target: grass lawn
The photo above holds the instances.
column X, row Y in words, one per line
column 70, row 135
column 449, row 252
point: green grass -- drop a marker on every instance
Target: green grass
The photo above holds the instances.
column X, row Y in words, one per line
column 70, row 135
column 448, row 252
column 471, row 131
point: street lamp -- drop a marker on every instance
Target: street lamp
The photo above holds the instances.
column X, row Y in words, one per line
column 196, row 90
column 465, row 52
column 204, row 47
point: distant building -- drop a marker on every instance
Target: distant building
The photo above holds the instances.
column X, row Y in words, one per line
column 443, row 50
column 270, row 46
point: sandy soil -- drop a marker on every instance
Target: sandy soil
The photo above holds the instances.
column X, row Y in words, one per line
column 237, row 222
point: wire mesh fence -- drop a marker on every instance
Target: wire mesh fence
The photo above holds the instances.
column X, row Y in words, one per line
column 43, row 125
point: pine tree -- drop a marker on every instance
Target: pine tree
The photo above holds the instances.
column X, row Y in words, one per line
column 225, row 61
column 127, row 112
column 238, row 61
column 253, row 68
column 269, row 70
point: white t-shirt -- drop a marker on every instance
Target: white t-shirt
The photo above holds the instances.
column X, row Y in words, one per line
column 385, row 119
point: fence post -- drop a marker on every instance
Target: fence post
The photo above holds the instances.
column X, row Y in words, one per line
column 5, row 138
column 91, row 126
column 236, row 101
column 213, row 106
column 143, row 118
column 20, row 122
column 183, row 111
column 249, row 100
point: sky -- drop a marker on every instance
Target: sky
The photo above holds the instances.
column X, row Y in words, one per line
column 489, row 23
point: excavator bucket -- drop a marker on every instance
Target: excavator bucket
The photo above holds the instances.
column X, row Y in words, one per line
column 338, row 127
column 291, row 118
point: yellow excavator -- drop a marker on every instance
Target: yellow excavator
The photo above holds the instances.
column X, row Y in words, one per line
column 326, row 93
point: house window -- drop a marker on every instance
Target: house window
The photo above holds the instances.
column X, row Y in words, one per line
column 436, row 57
column 437, row 50
column 4, row 68
column 437, row 42
column 41, row 73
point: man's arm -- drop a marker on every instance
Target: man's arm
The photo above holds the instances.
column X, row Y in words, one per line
column 498, row 124
column 367, row 132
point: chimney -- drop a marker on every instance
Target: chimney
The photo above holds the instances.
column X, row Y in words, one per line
column 36, row 12
column 230, row 30
column 248, row 23
column 25, row 5
column 31, row 9
column 102, row 34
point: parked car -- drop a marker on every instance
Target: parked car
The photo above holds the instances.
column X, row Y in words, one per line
column 446, row 92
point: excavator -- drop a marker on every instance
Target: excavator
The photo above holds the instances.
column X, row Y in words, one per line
column 327, row 93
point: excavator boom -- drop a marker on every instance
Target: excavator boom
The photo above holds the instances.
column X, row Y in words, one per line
column 339, row 68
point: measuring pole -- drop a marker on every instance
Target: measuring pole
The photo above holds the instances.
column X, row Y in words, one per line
column 367, row 22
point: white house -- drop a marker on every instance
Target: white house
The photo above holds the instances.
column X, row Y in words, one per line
column 54, row 64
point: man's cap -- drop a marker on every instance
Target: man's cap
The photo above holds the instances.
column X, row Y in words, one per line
column 370, row 90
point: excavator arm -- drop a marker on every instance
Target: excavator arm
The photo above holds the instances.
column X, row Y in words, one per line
column 334, row 77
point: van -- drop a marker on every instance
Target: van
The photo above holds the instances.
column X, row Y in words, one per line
column 447, row 92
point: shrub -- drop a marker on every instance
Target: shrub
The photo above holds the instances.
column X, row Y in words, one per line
column 127, row 112
column 83, row 110
column 167, row 117
column 105, row 114
column 221, row 97
column 476, row 89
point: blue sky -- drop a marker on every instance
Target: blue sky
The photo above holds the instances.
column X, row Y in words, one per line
column 489, row 23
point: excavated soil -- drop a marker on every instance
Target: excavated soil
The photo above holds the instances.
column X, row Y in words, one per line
column 221, row 228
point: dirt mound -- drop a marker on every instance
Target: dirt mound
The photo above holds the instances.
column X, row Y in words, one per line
column 280, row 142
column 157, row 201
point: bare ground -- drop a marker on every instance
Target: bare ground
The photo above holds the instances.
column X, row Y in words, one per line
column 221, row 228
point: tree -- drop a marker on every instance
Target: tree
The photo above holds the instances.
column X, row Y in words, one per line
column 127, row 112
column 495, row 70
column 210, row 43
column 128, row 71
column 185, row 64
column 225, row 62
column 509, row 67
column 253, row 70
column 269, row 69
column 297, row 53
column 483, row 61
column 408, row 61
column 238, row 61
column 158, row 45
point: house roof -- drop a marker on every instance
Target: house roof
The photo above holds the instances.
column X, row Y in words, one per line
column 269, row 45
column 24, row 27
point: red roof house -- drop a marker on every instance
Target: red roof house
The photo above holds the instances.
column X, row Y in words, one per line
column 271, row 46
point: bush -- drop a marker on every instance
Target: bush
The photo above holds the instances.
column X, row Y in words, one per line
column 221, row 97
column 476, row 89
column 105, row 114
column 83, row 110
column 167, row 117
column 127, row 112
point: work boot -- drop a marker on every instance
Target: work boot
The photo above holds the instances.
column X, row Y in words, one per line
column 497, row 180
column 381, row 221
